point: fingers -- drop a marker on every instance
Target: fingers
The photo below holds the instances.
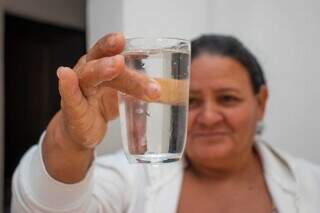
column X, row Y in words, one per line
column 111, row 72
column 82, row 125
column 163, row 90
column 174, row 91
column 95, row 72
column 135, row 84
column 108, row 45
column 73, row 104
column 81, row 62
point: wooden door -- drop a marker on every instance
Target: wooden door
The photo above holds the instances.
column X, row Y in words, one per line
column 33, row 52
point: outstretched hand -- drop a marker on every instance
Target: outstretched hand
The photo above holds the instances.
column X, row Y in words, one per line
column 89, row 91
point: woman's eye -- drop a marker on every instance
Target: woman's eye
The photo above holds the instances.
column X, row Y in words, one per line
column 228, row 99
column 193, row 102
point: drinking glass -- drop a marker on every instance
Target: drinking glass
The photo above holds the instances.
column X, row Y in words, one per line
column 155, row 132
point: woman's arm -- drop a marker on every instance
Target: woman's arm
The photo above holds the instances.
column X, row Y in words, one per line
column 88, row 101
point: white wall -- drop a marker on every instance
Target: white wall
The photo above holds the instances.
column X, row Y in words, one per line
column 283, row 34
column 143, row 18
column 68, row 13
column 179, row 18
column 105, row 17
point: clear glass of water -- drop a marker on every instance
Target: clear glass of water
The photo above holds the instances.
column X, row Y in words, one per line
column 155, row 132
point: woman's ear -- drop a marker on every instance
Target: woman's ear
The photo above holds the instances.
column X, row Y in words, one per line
column 262, row 98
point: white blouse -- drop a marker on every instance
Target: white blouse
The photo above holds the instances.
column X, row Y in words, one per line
column 112, row 185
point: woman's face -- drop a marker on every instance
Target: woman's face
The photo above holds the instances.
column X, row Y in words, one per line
column 223, row 110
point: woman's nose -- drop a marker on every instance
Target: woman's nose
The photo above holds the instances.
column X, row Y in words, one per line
column 210, row 114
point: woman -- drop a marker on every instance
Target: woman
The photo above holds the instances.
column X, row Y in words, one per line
column 225, row 168
column 227, row 98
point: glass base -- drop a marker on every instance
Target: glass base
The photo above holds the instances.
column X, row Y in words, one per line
column 154, row 158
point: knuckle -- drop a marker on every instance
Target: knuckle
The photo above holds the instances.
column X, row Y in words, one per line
column 88, row 68
column 120, row 64
column 85, row 72
column 133, row 87
column 62, row 104
column 82, row 60
column 111, row 68
column 108, row 74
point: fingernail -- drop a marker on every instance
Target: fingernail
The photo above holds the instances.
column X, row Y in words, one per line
column 112, row 40
column 153, row 90
column 59, row 71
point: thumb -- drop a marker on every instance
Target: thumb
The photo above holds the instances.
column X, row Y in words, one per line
column 73, row 104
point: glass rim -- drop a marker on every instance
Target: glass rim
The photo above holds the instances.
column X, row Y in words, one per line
column 157, row 38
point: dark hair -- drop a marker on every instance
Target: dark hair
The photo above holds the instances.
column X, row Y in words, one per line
column 231, row 47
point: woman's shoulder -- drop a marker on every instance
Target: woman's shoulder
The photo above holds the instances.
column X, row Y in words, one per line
column 307, row 175
column 295, row 163
column 306, row 169
column 287, row 168
column 299, row 165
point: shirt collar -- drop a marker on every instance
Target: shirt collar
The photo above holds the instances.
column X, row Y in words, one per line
column 277, row 165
